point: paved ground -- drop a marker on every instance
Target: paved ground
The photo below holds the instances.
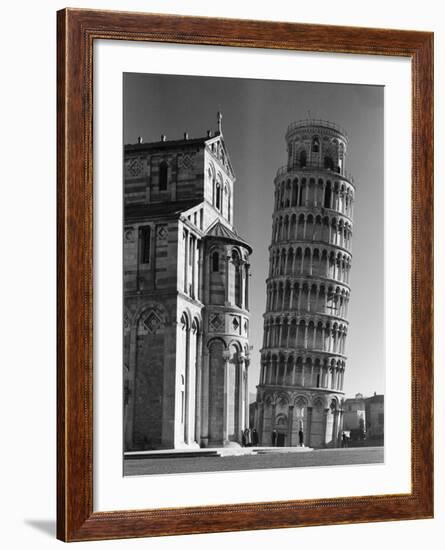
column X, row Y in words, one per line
column 321, row 457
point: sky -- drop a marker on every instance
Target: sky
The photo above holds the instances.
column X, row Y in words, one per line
column 256, row 114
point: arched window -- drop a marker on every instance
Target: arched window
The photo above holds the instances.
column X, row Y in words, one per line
column 163, row 173
column 315, row 145
column 145, row 244
column 227, row 200
column 303, row 158
column 300, row 197
column 215, row 261
column 218, row 197
column 229, row 207
column 185, row 374
column 328, row 163
column 238, row 278
column 327, row 195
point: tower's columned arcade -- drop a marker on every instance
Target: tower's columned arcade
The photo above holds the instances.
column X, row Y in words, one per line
column 303, row 361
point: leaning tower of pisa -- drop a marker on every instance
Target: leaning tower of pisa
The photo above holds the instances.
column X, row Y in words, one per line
column 300, row 392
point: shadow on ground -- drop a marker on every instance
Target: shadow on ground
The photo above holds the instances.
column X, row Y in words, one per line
column 47, row 526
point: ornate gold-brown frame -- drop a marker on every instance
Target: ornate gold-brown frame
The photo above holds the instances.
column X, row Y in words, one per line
column 77, row 30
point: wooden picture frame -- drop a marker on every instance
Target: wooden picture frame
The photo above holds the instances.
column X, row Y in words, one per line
column 77, row 31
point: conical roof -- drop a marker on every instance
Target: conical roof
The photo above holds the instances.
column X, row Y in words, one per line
column 220, row 231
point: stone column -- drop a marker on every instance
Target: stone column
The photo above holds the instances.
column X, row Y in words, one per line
column 205, row 398
column 246, row 298
column 193, row 261
column 272, row 420
column 325, row 425
column 241, row 397
column 290, row 422
column 308, row 426
column 132, row 399
column 186, row 261
column 242, row 276
column 340, row 424
column 200, row 271
column 260, row 421
column 246, row 395
column 291, row 297
column 198, row 396
column 225, row 437
column 227, row 279
column 187, row 389
column 335, row 429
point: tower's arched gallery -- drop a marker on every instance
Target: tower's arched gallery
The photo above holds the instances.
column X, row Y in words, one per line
column 186, row 292
column 305, row 324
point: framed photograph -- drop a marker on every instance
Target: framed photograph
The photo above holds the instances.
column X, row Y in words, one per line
column 245, row 229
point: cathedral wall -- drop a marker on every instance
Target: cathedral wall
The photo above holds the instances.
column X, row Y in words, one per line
column 149, row 388
column 189, row 173
column 136, row 177
column 150, row 250
column 217, row 267
column 150, row 279
column 160, row 174
column 186, row 324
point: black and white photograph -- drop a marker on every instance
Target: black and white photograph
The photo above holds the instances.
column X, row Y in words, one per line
column 253, row 274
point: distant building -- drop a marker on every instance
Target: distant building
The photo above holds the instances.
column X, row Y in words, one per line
column 354, row 416
column 364, row 418
column 375, row 417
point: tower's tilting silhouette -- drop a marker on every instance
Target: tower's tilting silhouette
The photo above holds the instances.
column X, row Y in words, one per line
column 303, row 355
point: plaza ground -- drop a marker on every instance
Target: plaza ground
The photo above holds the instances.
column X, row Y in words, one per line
column 315, row 458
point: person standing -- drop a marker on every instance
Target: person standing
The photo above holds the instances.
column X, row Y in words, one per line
column 301, row 437
column 254, row 437
column 274, row 438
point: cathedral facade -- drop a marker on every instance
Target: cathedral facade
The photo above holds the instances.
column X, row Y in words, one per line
column 300, row 392
column 186, row 297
